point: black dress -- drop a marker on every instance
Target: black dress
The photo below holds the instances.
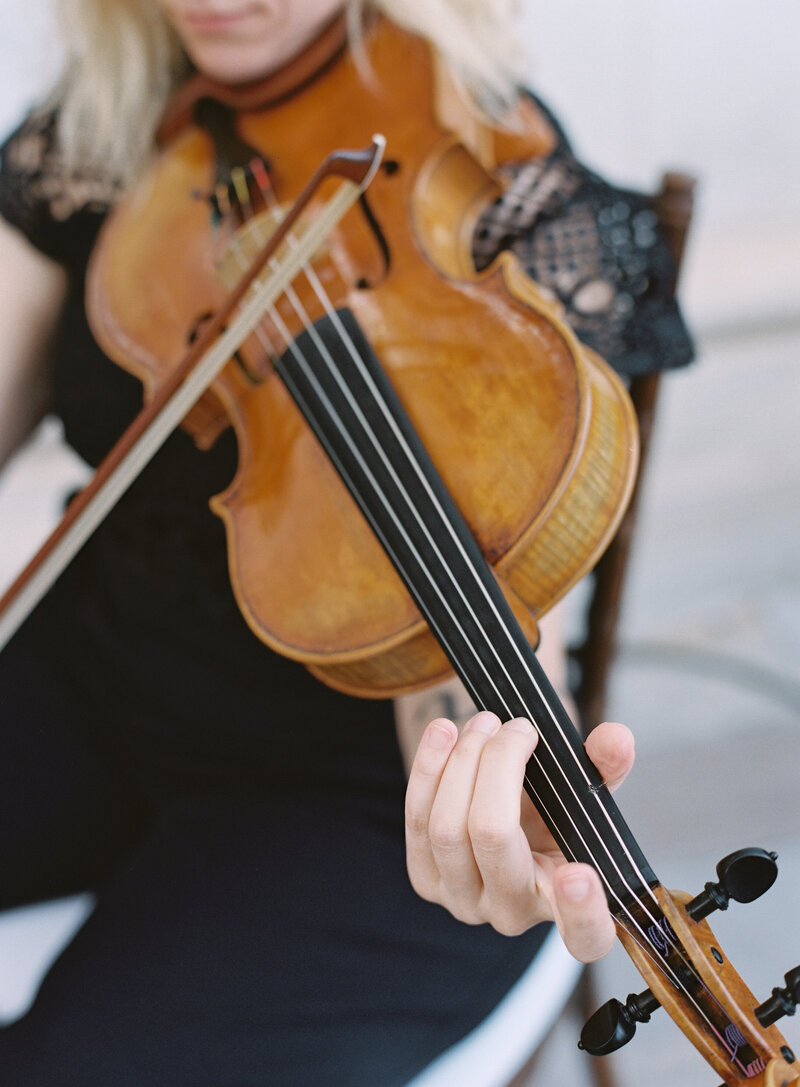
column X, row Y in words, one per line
column 240, row 823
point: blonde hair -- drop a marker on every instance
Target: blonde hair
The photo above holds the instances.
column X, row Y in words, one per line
column 123, row 60
column 476, row 38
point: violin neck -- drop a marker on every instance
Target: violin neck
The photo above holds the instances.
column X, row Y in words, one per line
column 342, row 391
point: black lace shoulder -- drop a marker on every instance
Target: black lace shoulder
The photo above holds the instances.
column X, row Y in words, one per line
column 598, row 249
column 57, row 207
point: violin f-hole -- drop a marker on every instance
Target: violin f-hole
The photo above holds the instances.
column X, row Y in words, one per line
column 364, row 283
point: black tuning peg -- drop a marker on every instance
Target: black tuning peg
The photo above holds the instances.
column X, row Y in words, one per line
column 782, row 1002
column 614, row 1024
column 743, row 877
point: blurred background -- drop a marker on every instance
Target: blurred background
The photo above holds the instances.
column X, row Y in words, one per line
column 708, row 673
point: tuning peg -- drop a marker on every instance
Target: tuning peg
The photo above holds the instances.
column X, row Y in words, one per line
column 743, row 877
column 614, row 1024
column 782, row 1002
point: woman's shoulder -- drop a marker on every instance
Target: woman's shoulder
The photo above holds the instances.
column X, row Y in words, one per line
column 42, row 193
column 595, row 247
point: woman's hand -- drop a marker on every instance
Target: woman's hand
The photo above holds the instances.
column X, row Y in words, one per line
column 472, row 847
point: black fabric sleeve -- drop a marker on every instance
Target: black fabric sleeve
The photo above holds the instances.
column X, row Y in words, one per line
column 598, row 249
column 56, row 207
column 23, row 203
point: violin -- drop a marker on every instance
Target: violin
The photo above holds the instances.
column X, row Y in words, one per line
column 428, row 458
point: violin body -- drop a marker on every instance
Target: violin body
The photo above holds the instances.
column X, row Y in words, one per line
column 532, row 434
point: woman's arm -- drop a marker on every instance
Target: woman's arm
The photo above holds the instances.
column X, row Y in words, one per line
column 32, row 290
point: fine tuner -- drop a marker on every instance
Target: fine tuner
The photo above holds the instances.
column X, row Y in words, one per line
column 742, row 876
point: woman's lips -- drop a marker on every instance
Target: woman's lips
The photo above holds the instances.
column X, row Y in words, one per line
column 211, row 22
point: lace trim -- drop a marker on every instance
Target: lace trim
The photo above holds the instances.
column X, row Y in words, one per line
column 37, row 187
column 598, row 249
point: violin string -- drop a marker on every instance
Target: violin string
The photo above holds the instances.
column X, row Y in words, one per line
column 245, row 203
column 319, row 290
column 442, row 637
column 318, row 343
column 464, row 598
column 659, row 964
column 636, row 931
column 241, row 192
column 346, row 339
column 321, row 347
column 289, row 339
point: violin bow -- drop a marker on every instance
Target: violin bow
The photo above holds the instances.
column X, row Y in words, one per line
column 211, row 351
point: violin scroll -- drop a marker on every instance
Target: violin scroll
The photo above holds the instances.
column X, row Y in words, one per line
column 687, row 973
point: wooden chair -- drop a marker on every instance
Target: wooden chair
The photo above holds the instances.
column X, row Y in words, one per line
column 673, row 204
column 569, row 986
column 594, row 657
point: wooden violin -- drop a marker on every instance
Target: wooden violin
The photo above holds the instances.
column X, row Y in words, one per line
column 310, row 577
column 428, row 457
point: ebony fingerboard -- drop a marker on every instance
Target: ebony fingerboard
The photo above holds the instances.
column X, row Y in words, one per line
column 340, row 388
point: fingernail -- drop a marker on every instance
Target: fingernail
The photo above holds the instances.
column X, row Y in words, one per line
column 576, row 888
column 438, row 737
column 520, row 724
column 483, row 722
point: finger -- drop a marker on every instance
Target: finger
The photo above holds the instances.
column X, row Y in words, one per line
column 499, row 845
column 582, row 913
column 434, row 749
column 610, row 747
column 449, row 821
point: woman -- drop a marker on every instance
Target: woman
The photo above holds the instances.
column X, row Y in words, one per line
column 240, row 823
